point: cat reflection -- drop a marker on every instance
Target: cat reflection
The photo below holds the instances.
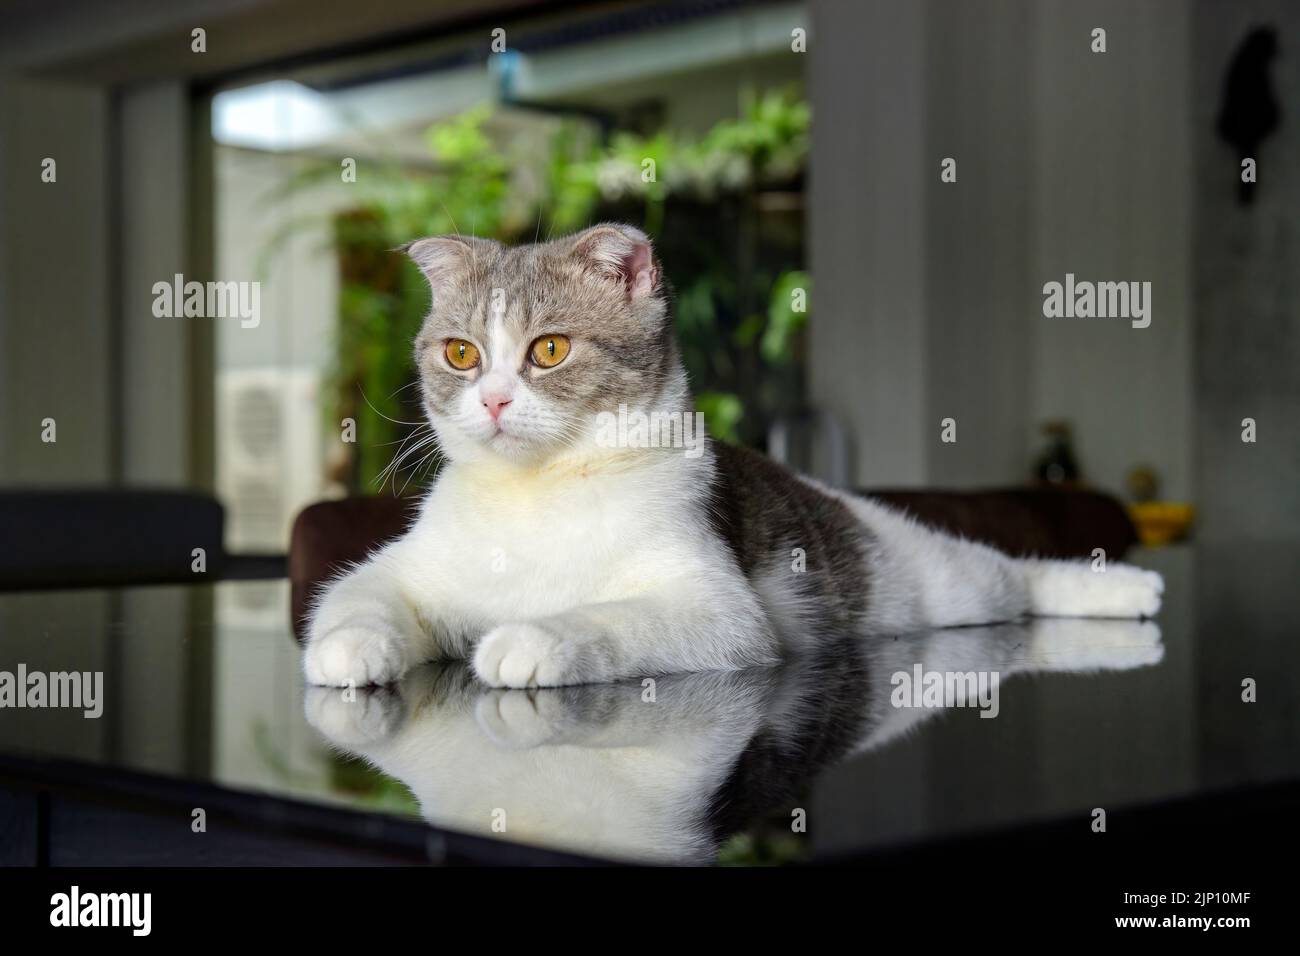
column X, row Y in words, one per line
column 664, row 771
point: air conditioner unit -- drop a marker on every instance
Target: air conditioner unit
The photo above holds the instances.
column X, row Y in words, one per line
column 269, row 467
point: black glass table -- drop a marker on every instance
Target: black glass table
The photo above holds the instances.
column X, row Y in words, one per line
column 207, row 748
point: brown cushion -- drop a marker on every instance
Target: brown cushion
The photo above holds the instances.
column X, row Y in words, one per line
column 1046, row 522
column 1043, row 522
column 330, row 535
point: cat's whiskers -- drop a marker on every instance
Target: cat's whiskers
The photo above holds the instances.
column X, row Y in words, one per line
column 414, row 468
column 381, row 414
column 419, row 439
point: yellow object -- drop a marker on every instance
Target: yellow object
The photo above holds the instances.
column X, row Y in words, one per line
column 1161, row 522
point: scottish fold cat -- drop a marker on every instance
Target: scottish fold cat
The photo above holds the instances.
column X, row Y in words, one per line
column 554, row 549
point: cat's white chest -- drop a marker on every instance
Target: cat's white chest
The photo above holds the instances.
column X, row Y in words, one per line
column 522, row 550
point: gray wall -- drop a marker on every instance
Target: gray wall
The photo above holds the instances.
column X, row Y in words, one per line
column 54, row 284
column 929, row 294
column 1247, row 291
column 156, row 370
column 1113, row 192
column 868, row 358
column 130, row 393
column 980, row 282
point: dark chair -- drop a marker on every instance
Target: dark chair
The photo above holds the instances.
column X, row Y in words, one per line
column 1046, row 522
column 330, row 535
column 103, row 537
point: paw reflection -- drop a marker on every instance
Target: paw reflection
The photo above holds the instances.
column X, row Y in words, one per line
column 519, row 720
column 602, row 770
column 353, row 719
column 1082, row 644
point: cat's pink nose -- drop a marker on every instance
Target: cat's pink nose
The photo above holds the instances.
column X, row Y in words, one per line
column 495, row 406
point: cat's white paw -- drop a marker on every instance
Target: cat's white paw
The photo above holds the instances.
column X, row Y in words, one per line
column 1132, row 592
column 353, row 719
column 523, row 655
column 355, row 656
column 1075, row 589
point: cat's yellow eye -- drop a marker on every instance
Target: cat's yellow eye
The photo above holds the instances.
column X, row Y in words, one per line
column 549, row 351
column 461, row 354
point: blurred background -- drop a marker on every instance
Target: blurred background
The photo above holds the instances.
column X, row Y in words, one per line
column 837, row 298
column 769, row 148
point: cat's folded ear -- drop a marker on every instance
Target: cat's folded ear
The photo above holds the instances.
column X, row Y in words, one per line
column 441, row 258
column 622, row 254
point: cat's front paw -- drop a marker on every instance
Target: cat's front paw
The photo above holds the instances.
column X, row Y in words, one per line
column 355, row 656
column 524, row 655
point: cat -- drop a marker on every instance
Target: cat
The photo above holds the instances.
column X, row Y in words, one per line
column 549, row 555
column 567, row 768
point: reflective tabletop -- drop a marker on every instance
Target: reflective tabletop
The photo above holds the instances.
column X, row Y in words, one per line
column 874, row 741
